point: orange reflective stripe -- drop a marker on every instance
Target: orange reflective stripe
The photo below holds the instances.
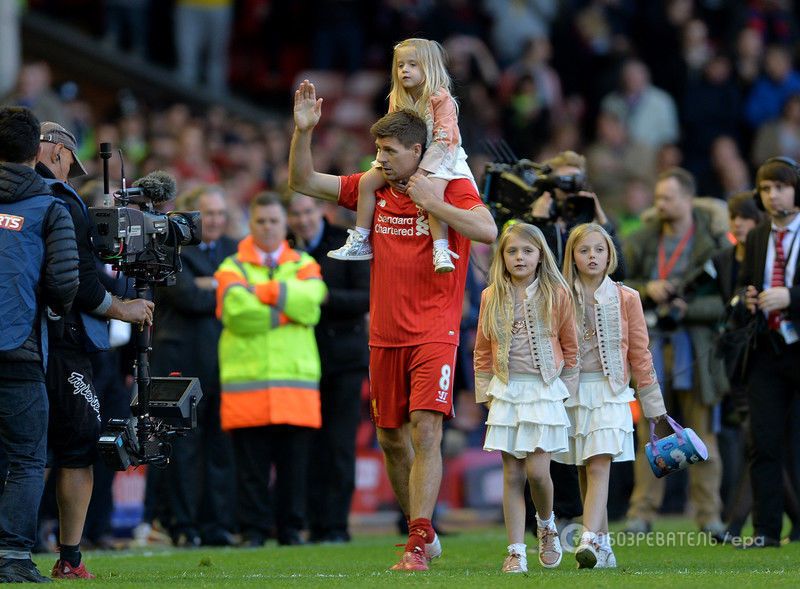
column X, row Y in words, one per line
column 273, row 406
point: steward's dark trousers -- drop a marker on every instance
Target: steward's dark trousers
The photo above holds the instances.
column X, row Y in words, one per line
column 257, row 449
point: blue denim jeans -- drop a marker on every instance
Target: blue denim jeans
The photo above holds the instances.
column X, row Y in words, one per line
column 23, row 436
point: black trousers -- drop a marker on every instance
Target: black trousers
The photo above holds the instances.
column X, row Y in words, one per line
column 257, row 449
column 201, row 476
column 772, row 385
column 332, row 466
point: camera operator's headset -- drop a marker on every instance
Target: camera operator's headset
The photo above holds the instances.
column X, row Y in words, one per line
column 787, row 161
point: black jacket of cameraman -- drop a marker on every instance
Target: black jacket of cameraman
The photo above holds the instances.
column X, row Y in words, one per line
column 92, row 297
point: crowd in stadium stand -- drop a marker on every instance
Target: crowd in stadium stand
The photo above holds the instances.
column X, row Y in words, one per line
column 637, row 87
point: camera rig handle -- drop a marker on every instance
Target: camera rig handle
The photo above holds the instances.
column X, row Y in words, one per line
column 143, row 343
column 105, row 155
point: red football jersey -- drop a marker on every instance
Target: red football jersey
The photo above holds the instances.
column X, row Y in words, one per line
column 410, row 304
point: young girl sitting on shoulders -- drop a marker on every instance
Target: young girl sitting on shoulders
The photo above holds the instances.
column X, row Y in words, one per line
column 420, row 82
column 613, row 348
column 526, row 363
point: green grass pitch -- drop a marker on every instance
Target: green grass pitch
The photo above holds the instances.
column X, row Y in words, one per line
column 471, row 559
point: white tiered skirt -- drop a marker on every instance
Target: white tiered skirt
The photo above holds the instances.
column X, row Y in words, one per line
column 526, row 415
column 600, row 422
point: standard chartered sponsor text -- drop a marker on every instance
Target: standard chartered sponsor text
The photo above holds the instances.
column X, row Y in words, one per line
column 391, row 225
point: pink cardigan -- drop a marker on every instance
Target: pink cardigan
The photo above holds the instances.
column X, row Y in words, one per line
column 623, row 344
column 444, row 138
column 555, row 352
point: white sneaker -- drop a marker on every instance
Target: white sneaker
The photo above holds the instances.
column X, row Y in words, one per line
column 549, row 547
column 441, row 260
column 587, row 552
column 357, row 247
column 606, row 558
column 515, row 563
column 434, row 549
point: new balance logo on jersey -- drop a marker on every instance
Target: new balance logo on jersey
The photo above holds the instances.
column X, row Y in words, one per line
column 423, row 228
column 382, row 202
column 11, row 222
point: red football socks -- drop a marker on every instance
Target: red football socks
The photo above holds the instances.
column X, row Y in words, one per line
column 420, row 532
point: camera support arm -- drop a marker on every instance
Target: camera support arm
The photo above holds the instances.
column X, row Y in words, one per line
column 143, row 345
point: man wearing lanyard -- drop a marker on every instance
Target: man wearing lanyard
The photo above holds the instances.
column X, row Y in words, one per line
column 769, row 274
column 666, row 262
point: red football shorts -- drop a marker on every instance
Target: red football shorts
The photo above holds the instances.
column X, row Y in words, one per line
column 408, row 379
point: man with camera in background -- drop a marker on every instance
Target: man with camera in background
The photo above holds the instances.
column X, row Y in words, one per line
column 666, row 260
column 74, row 427
column 565, row 202
column 38, row 259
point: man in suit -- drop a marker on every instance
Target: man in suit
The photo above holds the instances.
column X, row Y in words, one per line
column 769, row 275
column 200, row 477
column 342, row 340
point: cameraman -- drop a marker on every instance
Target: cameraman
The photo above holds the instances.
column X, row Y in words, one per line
column 74, row 427
column 552, row 211
column 666, row 259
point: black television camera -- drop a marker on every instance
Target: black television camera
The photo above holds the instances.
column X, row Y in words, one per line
column 667, row 316
column 145, row 245
column 509, row 189
column 138, row 240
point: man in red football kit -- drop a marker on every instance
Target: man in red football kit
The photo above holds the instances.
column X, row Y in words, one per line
column 414, row 313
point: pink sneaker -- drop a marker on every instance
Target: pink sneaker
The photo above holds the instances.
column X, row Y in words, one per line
column 515, row 563
column 411, row 561
column 549, row 547
column 63, row 570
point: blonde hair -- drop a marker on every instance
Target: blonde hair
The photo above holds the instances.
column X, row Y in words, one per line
column 571, row 271
column 499, row 307
column 567, row 158
column 431, row 59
